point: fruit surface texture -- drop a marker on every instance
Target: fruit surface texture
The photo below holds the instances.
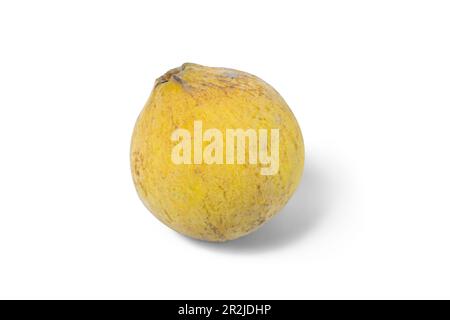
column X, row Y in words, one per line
column 224, row 198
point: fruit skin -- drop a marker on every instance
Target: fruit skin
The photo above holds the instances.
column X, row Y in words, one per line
column 213, row 202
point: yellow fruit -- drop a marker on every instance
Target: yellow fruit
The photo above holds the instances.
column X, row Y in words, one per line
column 215, row 200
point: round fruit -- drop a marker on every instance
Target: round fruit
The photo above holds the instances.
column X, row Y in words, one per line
column 215, row 152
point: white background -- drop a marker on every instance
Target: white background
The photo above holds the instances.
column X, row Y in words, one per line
column 369, row 82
